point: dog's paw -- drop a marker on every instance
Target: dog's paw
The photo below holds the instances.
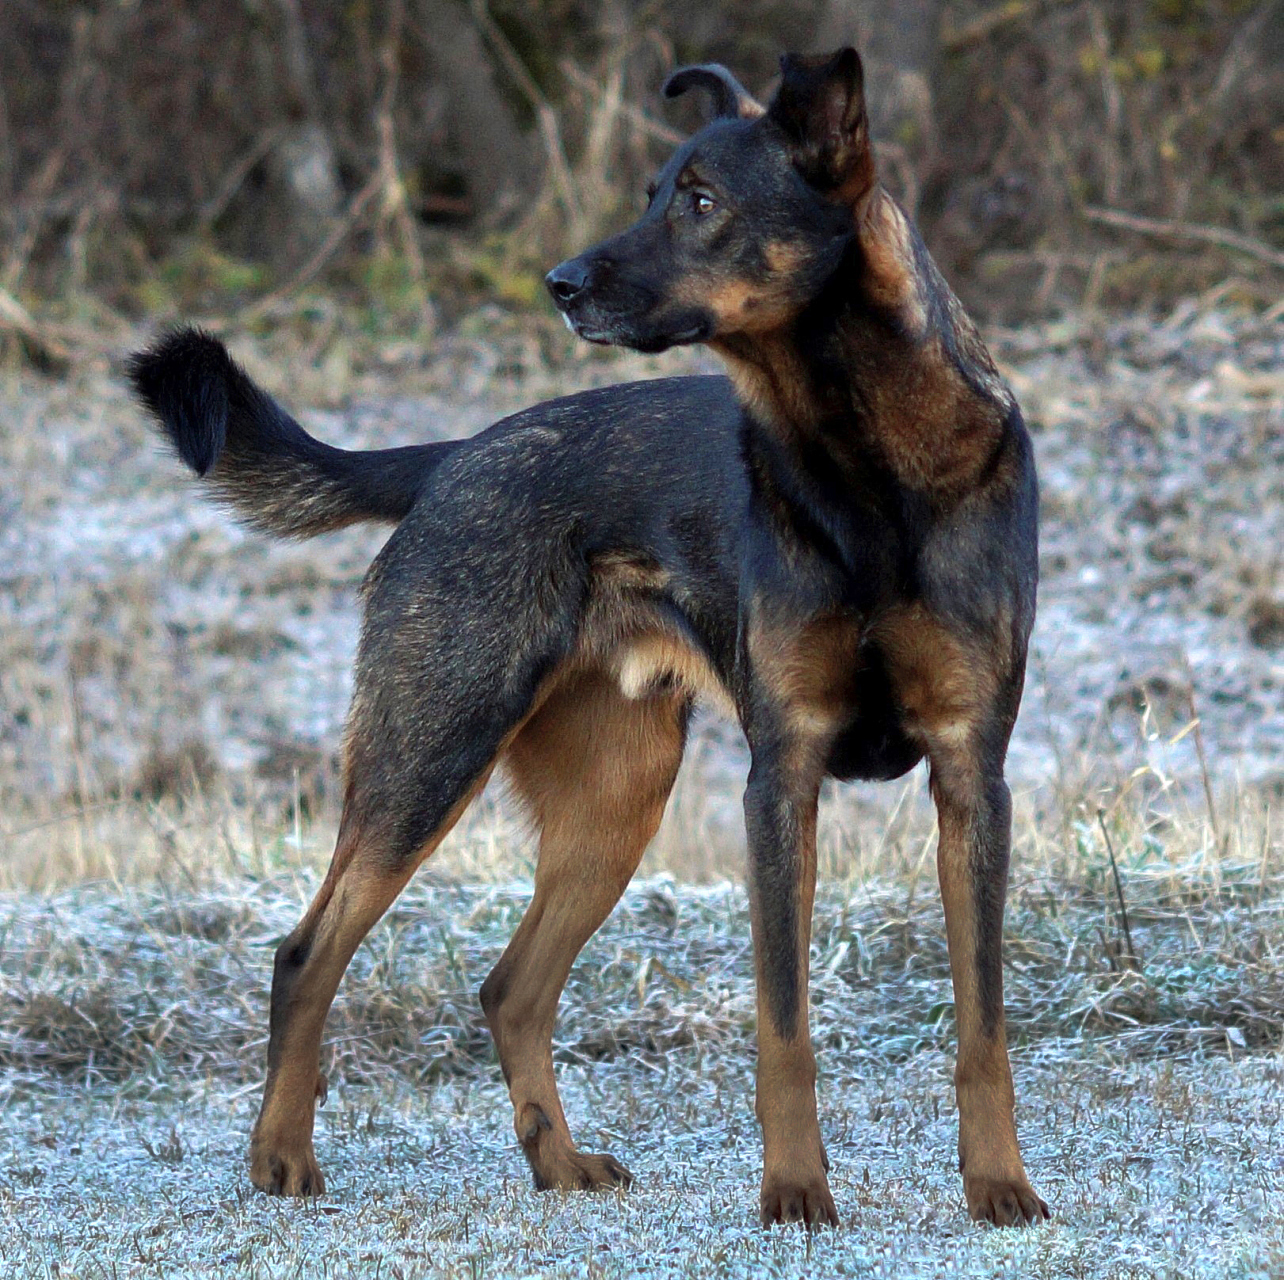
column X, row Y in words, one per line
column 285, row 1171
column 1005, row 1202
column 555, row 1163
column 805, row 1200
column 580, row 1171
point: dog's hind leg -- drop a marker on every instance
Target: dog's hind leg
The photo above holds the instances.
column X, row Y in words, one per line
column 370, row 867
column 596, row 769
column 440, row 690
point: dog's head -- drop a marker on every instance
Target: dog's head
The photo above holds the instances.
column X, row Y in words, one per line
column 746, row 222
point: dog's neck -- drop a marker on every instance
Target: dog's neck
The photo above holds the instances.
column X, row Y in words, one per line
column 884, row 367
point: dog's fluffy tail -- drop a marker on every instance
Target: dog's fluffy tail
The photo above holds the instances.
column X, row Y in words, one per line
column 256, row 458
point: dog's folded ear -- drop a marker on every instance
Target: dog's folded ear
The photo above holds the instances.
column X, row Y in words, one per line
column 730, row 98
column 820, row 106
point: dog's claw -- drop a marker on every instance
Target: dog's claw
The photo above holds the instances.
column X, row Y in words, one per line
column 294, row 1174
column 809, row 1203
column 1005, row 1203
column 580, row 1171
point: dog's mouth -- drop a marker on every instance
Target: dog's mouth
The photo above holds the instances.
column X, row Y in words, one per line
column 588, row 332
column 684, row 337
column 607, row 299
column 636, row 337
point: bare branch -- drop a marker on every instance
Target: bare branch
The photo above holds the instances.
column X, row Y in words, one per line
column 984, row 25
column 549, row 130
column 1133, row 961
column 651, row 127
column 15, row 318
column 1168, row 230
column 37, row 194
column 215, row 206
column 395, row 205
column 306, row 273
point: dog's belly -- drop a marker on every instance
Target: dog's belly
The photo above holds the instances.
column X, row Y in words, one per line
column 873, row 749
column 644, row 647
column 874, row 743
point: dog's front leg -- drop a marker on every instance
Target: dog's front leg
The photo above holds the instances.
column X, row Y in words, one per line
column 974, row 812
column 780, row 817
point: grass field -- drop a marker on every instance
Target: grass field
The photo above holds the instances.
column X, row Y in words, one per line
column 170, row 695
column 132, row 1032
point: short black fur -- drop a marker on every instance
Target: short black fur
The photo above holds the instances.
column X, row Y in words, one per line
column 841, row 540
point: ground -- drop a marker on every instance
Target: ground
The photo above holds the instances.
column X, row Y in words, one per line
column 171, row 697
column 1149, row 1105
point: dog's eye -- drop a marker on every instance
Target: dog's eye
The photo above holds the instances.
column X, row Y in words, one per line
column 703, row 203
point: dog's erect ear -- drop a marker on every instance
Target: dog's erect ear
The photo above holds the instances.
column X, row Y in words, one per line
column 820, row 105
column 730, row 98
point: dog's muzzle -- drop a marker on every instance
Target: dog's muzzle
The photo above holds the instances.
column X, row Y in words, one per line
column 602, row 304
column 568, row 283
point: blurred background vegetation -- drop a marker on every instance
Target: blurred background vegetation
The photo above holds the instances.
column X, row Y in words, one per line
column 231, row 160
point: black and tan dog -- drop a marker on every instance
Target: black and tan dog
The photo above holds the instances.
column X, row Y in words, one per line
column 842, row 540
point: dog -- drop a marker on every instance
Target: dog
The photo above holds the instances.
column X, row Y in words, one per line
column 841, row 539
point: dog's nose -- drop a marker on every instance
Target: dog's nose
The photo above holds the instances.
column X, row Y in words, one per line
column 567, row 280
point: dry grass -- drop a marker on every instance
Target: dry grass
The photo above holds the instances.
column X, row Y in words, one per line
column 132, row 1025
column 109, row 982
